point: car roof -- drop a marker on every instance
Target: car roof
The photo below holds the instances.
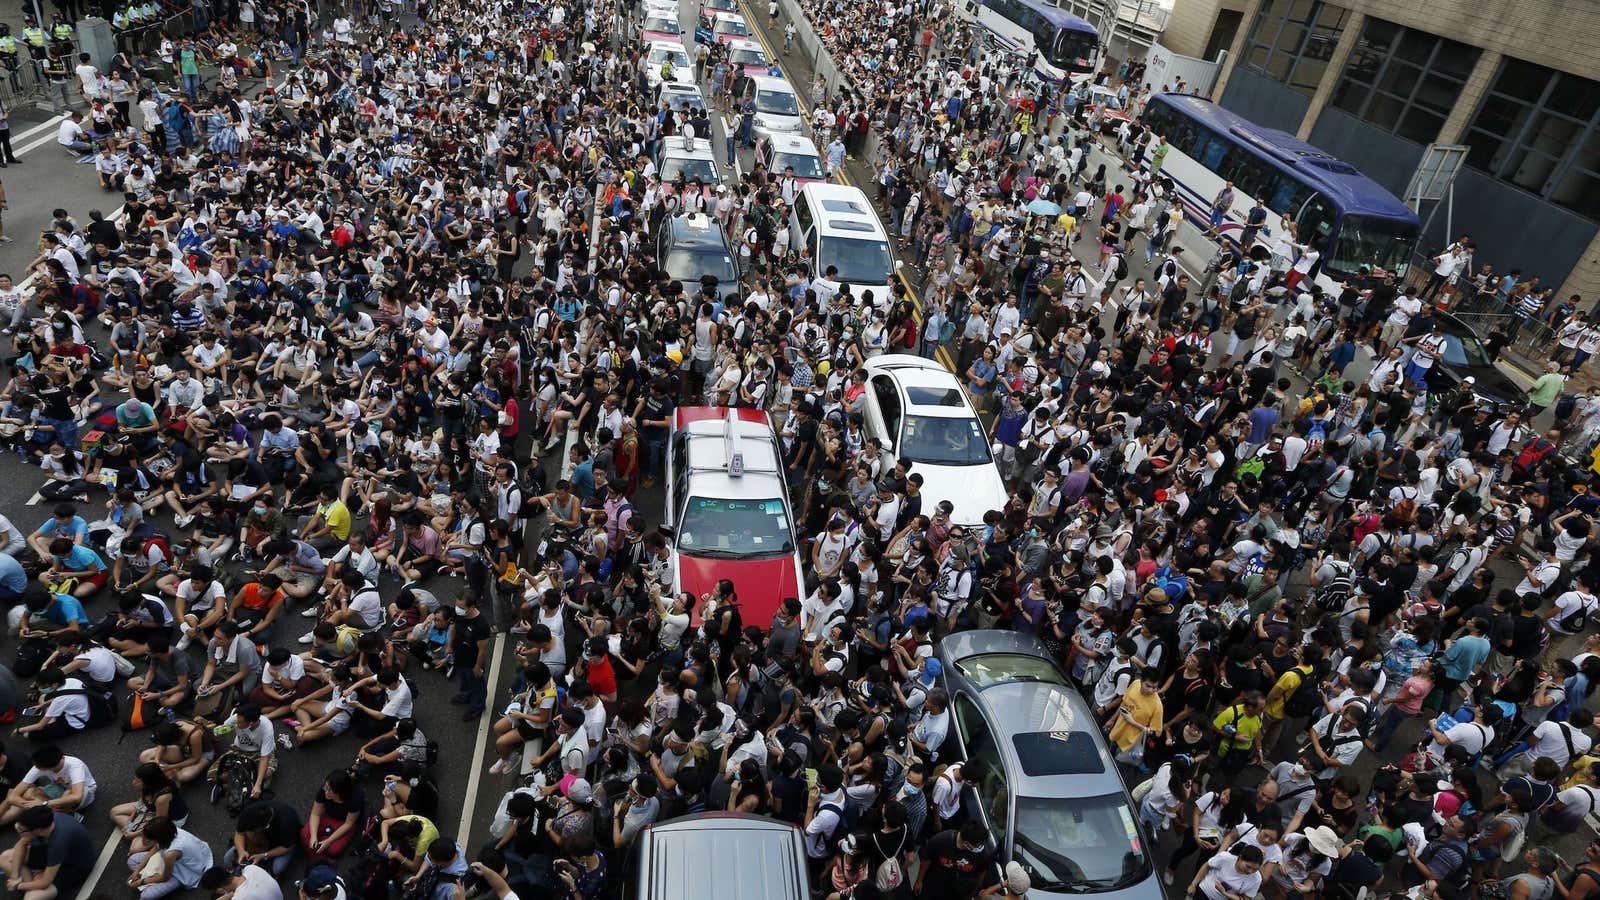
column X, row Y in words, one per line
column 744, row 44
column 665, row 45
column 791, row 143
column 697, row 229
column 771, row 83
column 1028, row 708
column 709, row 451
column 755, row 858
column 911, row 372
column 720, row 14
column 678, row 145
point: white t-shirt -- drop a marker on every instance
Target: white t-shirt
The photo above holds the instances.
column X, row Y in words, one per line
column 258, row 885
column 72, row 771
column 73, row 707
column 368, row 604
column 1569, row 603
column 1550, row 739
column 1223, row 875
column 397, row 700
column 1469, row 736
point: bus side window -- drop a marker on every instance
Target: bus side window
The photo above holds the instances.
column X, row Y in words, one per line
column 1210, row 152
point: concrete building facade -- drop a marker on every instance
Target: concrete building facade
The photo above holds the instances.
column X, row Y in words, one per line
column 1374, row 82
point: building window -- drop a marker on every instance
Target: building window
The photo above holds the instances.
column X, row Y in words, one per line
column 1539, row 129
column 1403, row 80
column 1291, row 41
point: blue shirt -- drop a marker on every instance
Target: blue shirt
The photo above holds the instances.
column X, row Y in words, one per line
column 1464, row 657
column 73, row 530
column 12, row 578
column 1262, row 418
column 64, row 609
column 145, row 418
column 82, row 559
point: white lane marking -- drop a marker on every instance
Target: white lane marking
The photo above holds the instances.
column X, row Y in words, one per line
column 36, row 499
column 106, row 854
column 464, row 829
column 51, row 122
column 28, row 148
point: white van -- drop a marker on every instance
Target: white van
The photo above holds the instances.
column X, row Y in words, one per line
column 834, row 225
column 777, row 107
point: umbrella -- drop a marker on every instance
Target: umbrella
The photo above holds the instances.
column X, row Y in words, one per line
column 1042, row 207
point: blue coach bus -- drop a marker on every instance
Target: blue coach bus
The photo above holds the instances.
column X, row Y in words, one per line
column 1354, row 222
column 1059, row 43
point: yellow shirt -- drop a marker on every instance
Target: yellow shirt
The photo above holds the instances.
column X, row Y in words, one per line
column 1287, row 684
column 1246, row 727
column 426, row 836
column 337, row 515
column 1066, row 223
column 1145, row 709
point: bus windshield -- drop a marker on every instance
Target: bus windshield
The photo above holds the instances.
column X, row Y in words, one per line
column 1072, row 50
column 1365, row 243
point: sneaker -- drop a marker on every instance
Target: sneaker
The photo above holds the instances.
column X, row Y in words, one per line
column 182, row 521
column 499, row 767
column 291, row 722
column 183, row 643
column 307, row 638
column 309, row 612
column 216, row 794
column 286, row 742
column 513, row 763
column 1166, row 877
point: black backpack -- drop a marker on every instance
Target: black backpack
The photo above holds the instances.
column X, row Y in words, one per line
column 1304, row 700
column 1578, row 619
column 1122, row 267
column 1336, row 591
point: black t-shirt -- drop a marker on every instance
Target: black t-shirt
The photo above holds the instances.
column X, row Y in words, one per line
column 468, row 633
column 1355, row 870
column 68, row 847
column 956, row 871
column 283, row 829
column 15, row 769
column 654, row 408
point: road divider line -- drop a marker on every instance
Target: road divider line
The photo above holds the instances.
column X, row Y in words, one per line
column 468, row 805
column 106, row 854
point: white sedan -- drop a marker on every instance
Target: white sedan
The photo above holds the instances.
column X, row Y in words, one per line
column 920, row 413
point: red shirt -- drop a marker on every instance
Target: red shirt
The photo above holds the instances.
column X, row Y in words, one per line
column 602, row 677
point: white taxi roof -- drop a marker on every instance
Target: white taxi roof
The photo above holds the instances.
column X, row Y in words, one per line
column 792, row 144
column 677, row 145
column 665, row 47
column 745, row 44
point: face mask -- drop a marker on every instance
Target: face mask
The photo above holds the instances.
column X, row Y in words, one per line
column 461, row 611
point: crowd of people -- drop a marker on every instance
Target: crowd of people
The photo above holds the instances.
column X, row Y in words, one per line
column 384, row 350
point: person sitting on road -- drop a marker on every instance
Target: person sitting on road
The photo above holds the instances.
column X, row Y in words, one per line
column 58, row 781
column 254, row 738
column 53, row 857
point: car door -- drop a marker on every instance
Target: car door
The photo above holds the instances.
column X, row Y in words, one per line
column 885, row 397
column 678, row 477
column 988, row 794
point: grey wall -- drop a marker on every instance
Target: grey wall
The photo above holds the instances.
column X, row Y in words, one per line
column 1264, row 101
column 1513, row 229
column 1386, row 159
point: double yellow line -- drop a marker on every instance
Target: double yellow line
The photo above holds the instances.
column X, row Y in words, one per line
column 759, row 30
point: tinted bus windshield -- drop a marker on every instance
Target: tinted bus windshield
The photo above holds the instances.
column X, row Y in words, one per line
column 1071, row 50
column 859, row 261
column 1369, row 242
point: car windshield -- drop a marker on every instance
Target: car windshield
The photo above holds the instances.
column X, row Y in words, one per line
column 859, row 261
column 1085, row 844
column 1463, row 349
column 749, row 56
column 776, row 103
column 694, row 263
column 720, row 527
column 680, row 59
column 804, row 165
column 944, row 441
column 1369, row 242
column 989, row 669
column 662, row 24
column 685, row 100
column 726, row 25
column 689, row 167
column 731, row 5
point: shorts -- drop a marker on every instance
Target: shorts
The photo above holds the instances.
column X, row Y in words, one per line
column 340, row 723
column 425, row 567
column 528, row 730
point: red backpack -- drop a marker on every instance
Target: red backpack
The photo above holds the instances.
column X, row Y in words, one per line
column 1533, row 453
